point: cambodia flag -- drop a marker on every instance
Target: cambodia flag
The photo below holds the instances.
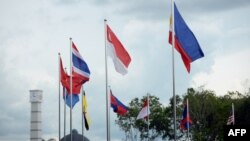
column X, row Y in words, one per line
column 117, row 105
column 185, row 42
column 186, row 121
column 117, row 52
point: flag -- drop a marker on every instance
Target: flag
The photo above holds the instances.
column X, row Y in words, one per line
column 144, row 111
column 66, row 97
column 85, row 115
column 117, row 105
column 80, row 67
column 185, row 42
column 117, row 52
column 65, row 80
column 230, row 119
column 186, row 121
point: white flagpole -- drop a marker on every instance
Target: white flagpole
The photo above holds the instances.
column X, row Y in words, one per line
column 59, row 98
column 188, row 120
column 64, row 95
column 173, row 65
column 107, row 93
column 71, row 89
column 83, row 112
column 233, row 113
column 148, row 113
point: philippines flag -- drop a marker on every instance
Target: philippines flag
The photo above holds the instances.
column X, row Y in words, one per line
column 185, row 42
column 186, row 121
column 117, row 52
column 80, row 67
column 144, row 111
column 117, row 105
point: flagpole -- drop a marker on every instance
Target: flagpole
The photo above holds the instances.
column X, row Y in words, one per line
column 70, row 39
column 59, row 98
column 107, row 93
column 173, row 65
column 64, row 132
column 64, row 95
column 233, row 113
column 83, row 112
column 188, row 119
column 148, row 113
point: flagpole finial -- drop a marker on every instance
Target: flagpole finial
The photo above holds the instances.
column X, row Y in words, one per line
column 70, row 38
column 59, row 53
column 105, row 20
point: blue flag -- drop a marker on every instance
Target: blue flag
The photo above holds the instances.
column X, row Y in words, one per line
column 66, row 97
column 185, row 42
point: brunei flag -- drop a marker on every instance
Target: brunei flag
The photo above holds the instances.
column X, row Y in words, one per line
column 85, row 114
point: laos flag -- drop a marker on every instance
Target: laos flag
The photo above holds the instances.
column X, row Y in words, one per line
column 185, row 42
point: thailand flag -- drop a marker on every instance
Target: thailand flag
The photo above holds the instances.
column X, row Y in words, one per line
column 117, row 52
column 186, row 121
column 77, row 80
column 80, row 67
column 185, row 42
column 117, row 105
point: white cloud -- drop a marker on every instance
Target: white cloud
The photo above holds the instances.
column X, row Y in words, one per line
column 230, row 72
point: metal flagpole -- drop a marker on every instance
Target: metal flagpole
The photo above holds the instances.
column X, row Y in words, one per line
column 188, row 119
column 233, row 113
column 71, row 89
column 173, row 65
column 107, row 93
column 148, row 113
column 64, row 95
column 83, row 112
column 59, row 98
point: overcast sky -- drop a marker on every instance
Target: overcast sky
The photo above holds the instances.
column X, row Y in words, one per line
column 33, row 32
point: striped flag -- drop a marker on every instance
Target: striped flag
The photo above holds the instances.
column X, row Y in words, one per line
column 185, row 41
column 117, row 52
column 230, row 120
column 117, row 105
column 144, row 111
column 85, row 114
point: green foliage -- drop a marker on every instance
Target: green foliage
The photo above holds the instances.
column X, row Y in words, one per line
column 208, row 112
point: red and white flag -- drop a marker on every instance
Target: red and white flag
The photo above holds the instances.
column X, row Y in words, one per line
column 117, row 52
column 144, row 111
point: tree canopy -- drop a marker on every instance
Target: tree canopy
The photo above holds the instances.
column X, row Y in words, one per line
column 208, row 112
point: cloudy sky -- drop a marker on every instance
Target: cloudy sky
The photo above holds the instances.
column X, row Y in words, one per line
column 33, row 32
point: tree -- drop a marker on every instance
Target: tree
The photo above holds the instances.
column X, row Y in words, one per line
column 159, row 122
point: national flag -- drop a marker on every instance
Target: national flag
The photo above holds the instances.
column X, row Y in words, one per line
column 230, row 120
column 186, row 120
column 85, row 113
column 65, row 80
column 67, row 99
column 185, row 42
column 117, row 52
column 144, row 111
column 80, row 67
column 117, row 105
